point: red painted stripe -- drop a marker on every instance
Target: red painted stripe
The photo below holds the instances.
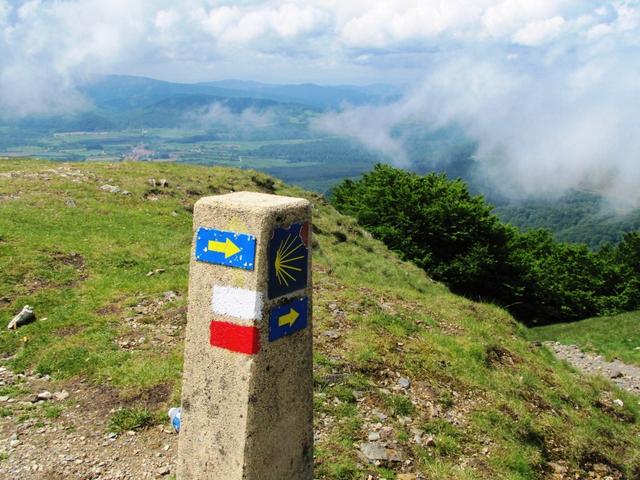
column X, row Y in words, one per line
column 235, row 337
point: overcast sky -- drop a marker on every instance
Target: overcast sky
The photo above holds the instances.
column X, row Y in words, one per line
column 552, row 86
column 315, row 40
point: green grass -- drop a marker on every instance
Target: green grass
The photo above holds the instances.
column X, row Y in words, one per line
column 612, row 337
column 127, row 419
column 476, row 381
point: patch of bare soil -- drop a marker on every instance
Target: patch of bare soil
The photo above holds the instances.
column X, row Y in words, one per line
column 75, row 445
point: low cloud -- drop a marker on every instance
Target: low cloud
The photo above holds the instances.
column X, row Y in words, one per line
column 548, row 89
column 219, row 115
column 545, row 119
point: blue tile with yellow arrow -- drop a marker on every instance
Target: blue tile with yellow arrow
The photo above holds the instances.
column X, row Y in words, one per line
column 232, row 249
column 288, row 318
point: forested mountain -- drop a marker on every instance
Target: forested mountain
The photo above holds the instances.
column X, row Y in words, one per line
column 582, row 217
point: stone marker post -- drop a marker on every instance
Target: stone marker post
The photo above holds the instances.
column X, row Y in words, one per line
column 247, row 395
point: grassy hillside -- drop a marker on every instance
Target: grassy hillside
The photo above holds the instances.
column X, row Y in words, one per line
column 480, row 401
column 612, row 337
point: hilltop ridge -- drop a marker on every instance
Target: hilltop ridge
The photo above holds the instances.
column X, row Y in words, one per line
column 411, row 381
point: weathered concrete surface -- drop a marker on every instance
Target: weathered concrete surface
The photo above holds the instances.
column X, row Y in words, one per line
column 245, row 416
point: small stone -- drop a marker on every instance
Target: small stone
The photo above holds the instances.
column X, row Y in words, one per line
column 394, row 455
column 70, row 202
column 4, row 398
column 333, row 334
column 165, row 470
column 61, row 395
column 430, row 441
column 44, row 396
column 374, row 451
column 25, row 316
column 380, row 415
column 617, row 374
column 110, row 188
column 14, row 443
column 618, row 402
column 374, row 436
column 163, row 183
column 170, row 296
column 404, row 382
column 406, row 476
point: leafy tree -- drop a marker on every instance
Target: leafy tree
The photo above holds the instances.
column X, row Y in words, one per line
column 434, row 222
column 453, row 235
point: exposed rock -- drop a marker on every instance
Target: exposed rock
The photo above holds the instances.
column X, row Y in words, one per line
column 162, row 471
column 44, row 396
column 333, row 334
column 404, row 382
column 374, row 436
column 155, row 272
column 61, row 395
column 417, row 435
column 374, row 451
column 110, row 188
column 619, row 403
column 25, row 316
column 170, row 296
column 394, row 455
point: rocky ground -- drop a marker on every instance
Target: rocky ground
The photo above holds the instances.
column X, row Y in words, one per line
column 624, row 376
column 49, row 432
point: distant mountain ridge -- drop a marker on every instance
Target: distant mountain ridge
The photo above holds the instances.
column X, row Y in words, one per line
column 325, row 97
column 121, row 101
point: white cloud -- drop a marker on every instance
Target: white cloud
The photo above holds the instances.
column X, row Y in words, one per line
column 548, row 88
column 218, row 114
column 537, row 33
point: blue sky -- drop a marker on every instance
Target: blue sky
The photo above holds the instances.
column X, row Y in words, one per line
column 550, row 87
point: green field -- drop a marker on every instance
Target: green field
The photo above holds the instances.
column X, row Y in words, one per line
column 612, row 337
column 98, row 266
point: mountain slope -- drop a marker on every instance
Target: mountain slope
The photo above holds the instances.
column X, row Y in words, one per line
column 577, row 216
column 445, row 387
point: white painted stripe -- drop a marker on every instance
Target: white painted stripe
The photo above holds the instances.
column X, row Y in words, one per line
column 237, row 302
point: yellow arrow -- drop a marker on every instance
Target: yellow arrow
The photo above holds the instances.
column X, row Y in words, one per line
column 288, row 319
column 228, row 248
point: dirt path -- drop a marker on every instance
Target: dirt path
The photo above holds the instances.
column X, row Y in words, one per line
column 624, row 376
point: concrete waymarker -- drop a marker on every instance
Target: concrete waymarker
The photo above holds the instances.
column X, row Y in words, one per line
column 247, row 394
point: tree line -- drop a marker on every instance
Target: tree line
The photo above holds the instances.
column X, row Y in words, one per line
column 454, row 236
